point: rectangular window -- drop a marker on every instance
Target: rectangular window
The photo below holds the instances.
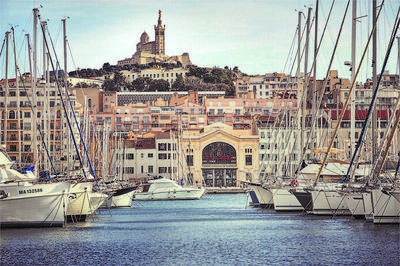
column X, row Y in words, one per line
column 27, row 114
column 149, row 155
column 162, row 170
column 189, row 160
column 162, row 147
column 249, row 160
column 129, row 170
column 162, row 156
column 130, row 156
column 150, row 169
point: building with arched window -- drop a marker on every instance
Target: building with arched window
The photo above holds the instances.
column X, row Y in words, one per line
column 220, row 156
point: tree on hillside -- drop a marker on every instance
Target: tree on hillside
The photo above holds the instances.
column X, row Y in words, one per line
column 107, row 67
column 115, row 84
column 141, row 84
column 159, row 85
column 179, row 84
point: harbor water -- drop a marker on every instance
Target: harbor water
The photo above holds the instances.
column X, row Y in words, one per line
column 220, row 229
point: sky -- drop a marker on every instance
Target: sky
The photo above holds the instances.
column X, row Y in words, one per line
column 254, row 35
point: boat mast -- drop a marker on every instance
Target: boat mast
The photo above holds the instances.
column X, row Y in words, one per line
column 45, row 97
column 33, row 149
column 305, row 83
column 298, row 81
column 34, row 88
column 6, row 95
column 314, row 100
column 67, row 113
column 353, row 68
column 18, row 99
column 374, row 113
column 374, row 97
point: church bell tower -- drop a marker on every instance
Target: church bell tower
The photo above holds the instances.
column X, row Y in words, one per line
column 159, row 37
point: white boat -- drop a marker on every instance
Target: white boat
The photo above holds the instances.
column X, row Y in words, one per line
column 166, row 189
column 329, row 203
column 386, row 209
column 395, row 194
column 120, row 198
column 355, row 203
column 284, row 200
column 79, row 206
column 97, row 199
column 263, row 195
column 25, row 204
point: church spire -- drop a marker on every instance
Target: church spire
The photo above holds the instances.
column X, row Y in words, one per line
column 159, row 47
column 159, row 18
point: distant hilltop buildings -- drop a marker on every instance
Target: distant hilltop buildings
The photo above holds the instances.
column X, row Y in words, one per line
column 154, row 52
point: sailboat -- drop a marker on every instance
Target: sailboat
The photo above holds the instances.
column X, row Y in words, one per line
column 24, row 203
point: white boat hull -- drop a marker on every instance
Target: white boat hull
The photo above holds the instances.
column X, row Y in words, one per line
column 284, row 200
column 120, row 201
column 33, row 205
column 79, row 202
column 386, row 209
column 185, row 194
column 395, row 194
column 355, row 203
column 264, row 196
column 327, row 202
column 96, row 200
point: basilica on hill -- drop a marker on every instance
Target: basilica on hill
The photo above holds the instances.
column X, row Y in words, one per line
column 154, row 51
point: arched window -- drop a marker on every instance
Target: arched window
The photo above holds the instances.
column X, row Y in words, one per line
column 11, row 115
column 219, row 153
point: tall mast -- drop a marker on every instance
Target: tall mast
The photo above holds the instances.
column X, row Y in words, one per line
column 30, row 70
column 6, row 95
column 353, row 69
column 306, row 76
column 298, row 79
column 18, row 100
column 44, row 114
column 314, row 107
column 66, row 87
column 374, row 113
column 65, row 45
column 34, row 89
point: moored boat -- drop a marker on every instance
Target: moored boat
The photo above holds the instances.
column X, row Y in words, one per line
column 166, row 189
column 120, row 198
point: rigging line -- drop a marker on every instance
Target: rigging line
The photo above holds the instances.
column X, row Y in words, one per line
column 2, row 46
column 76, row 69
column 303, row 100
column 38, row 125
column 374, row 96
column 290, row 50
column 347, row 100
column 73, row 113
column 326, row 76
column 63, row 103
column 302, row 52
column 280, row 107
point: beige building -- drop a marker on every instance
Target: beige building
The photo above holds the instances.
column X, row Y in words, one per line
column 220, row 155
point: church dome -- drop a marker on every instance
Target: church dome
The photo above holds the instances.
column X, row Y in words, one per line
column 144, row 38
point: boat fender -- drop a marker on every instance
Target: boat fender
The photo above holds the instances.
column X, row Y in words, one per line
column 294, row 183
column 3, row 194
